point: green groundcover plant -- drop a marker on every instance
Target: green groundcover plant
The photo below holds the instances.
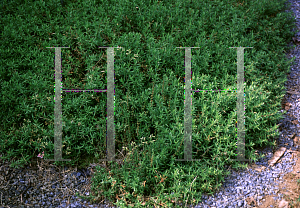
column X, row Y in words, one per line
column 149, row 89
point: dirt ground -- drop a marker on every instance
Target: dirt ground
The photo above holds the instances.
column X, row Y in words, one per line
column 289, row 187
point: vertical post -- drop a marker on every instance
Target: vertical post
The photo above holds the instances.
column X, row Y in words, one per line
column 240, row 104
column 57, row 108
column 188, row 107
column 110, row 104
column 110, row 126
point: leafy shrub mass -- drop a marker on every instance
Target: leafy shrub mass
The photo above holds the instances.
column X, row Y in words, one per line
column 149, row 89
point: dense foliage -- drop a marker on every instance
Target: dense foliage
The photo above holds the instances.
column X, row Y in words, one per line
column 149, row 88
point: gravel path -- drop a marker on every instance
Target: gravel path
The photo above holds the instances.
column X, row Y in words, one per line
column 38, row 186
